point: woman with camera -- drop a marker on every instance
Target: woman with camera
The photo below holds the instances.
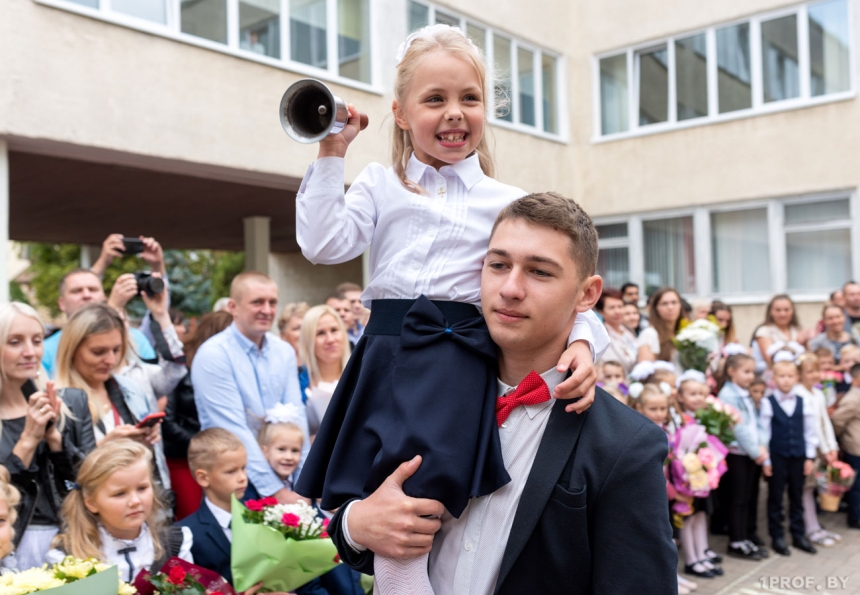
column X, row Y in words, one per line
column 44, row 433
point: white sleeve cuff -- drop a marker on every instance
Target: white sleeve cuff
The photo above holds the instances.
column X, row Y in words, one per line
column 344, row 523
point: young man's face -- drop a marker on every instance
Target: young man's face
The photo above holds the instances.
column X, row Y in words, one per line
column 354, row 299
column 79, row 290
column 254, row 308
column 531, row 289
column 631, row 295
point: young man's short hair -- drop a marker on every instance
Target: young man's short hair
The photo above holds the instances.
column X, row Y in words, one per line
column 346, row 287
column 627, row 286
column 237, row 286
column 206, row 446
column 549, row 209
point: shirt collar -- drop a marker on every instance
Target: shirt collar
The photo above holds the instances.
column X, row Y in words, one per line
column 469, row 170
column 223, row 517
column 247, row 345
column 116, row 544
column 781, row 396
column 552, row 378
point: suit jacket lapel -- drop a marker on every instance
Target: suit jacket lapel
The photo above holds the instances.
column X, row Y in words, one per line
column 213, row 528
column 558, row 442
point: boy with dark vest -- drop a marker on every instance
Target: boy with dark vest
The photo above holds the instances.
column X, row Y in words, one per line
column 788, row 432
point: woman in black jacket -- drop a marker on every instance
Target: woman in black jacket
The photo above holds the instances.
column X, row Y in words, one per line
column 45, row 434
column 181, row 422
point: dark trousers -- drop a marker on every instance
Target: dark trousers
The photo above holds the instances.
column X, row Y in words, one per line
column 752, row 515
column 787, row 473
column 740, row 475
column 853, row 496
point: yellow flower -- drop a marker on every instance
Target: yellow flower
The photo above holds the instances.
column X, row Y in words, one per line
column 691, row 463
column 126, row 589
column 34, row 579
column 698, row 480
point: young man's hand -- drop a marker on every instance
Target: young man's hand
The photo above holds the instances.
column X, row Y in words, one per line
column 583, row 378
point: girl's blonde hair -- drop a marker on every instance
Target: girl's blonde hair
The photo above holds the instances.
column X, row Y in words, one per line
column 307, row 343
column 92, row 319
column 11, row 495
column 290, row 310
column 651, row 390
column 8, row 313
column 807, row 359
column 80, row 536
column 268, row 431
column 452, row 41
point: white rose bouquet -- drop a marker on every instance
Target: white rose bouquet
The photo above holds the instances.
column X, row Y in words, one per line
column 696, row 342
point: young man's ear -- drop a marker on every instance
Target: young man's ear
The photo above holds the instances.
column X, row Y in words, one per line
column 201, row 476
column 591, row 288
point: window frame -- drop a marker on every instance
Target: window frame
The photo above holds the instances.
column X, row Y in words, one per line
column 777, row 232
column 759, row 107
column 562, row 136
column 171, row 29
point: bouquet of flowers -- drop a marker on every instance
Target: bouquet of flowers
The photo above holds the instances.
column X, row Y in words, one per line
column 696, row 343
column 697, row 461
column 834, row 480
column 719, row 419
column 282, row 545
column 178, row 577
column 69, row 577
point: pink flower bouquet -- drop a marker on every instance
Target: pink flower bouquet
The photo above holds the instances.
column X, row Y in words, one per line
column 697, row 461
column 719, row 419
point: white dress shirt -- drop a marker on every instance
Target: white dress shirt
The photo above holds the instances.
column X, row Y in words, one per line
column 467, row 552
column 430, row 244
column 815, row 399
column 223, row 517
column 788, row 403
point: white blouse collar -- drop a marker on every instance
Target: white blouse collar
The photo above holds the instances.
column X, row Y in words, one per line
column 469, row 170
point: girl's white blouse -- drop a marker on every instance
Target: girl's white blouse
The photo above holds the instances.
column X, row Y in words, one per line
column 429, row 244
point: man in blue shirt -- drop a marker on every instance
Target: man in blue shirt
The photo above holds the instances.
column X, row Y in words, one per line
column 244, row 371
column 80, row 287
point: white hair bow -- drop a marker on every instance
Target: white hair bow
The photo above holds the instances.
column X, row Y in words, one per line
column 734, row 349
column 664, row 365
column 691, row 375
column 642, row 370
column 427, row 31
column 635, row 390
column 284, row 413
column 784, row 356
column 666, row 389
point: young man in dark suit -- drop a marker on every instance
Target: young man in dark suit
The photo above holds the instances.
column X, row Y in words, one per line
column 586, row 508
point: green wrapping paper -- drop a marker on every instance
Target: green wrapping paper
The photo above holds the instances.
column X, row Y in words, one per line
column 101, row 583
column 260, row 553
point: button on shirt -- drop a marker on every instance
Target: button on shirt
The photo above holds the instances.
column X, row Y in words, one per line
column 788, row 403
column 467, row 552
column 235, row 383
column 429, row 244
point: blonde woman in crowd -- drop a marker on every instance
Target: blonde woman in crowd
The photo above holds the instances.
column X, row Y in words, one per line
column 324, row 348
column 44, row 433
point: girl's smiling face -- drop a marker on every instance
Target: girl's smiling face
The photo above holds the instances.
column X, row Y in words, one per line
column 444, row 111
column 284, row 451
column 692, row 395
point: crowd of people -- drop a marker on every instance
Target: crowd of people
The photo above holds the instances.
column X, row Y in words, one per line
column 127, row 442
column 797, row 392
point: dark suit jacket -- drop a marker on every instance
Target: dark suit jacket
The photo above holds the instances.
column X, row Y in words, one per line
column 593, row 516
column 211, row 548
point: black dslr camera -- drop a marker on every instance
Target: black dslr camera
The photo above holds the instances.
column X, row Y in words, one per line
column 148, row 284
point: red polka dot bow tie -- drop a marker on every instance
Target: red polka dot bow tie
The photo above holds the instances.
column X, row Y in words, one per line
column 531, row 391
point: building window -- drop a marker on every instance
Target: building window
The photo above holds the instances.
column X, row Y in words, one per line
column 526, row 78
column 653, row 70
column 829, row 61
column 734, row 77
column 800, row 57
column 331, row 36
column 691, row 66
column 740, row 251
column 669, row 254
column 780, row 68
column 613, row 94
column 817, row 244
column 613, row 260
column 801, row 246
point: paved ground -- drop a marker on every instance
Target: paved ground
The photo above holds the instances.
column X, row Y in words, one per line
column 833, row 571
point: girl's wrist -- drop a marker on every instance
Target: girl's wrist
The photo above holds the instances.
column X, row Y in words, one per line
column 328, row 151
